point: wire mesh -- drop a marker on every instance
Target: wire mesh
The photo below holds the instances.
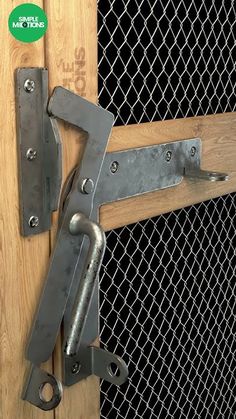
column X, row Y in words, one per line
column 168, row 307
column 167, row 286
column 163, row 59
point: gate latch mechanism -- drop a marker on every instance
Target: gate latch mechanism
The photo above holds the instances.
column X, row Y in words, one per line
column 71, row 288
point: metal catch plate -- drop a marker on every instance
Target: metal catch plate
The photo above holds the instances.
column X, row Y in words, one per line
column 141, row 170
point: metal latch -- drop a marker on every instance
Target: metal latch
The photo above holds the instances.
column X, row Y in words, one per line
column 71, row 289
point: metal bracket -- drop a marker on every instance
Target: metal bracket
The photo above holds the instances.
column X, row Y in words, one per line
column 71, row 288
column 93, row 360
column 33, row 391
column 39, row 145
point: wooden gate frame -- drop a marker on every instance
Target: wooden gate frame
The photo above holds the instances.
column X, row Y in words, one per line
column 69, row 50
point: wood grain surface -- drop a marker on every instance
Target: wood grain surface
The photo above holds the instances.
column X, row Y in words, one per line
column 71, row 57
column 23, row 260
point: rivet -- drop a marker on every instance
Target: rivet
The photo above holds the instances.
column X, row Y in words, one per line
column 87, row 186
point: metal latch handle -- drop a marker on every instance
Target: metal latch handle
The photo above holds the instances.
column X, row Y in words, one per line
column 80, row 224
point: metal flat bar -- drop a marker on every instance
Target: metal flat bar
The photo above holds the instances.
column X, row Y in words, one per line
column 92, row 119
column 39, row 176
column 68, row 248
column 52, row 159
column 141, row 170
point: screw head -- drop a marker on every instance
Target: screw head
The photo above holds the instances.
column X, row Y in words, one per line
column 31, row 154
column 193, row 151
column 87, row 186
column 114, row 167
column 76, row 368
column 33, row 221
column 29, row 85
column 168, row 155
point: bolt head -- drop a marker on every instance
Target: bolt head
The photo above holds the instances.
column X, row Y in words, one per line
column 193, row 151
column 31, row 154
column 168, row 155
column 33, row 221
column 87, row 186
column 29, row 85
column 76, row 368
column 114, row 167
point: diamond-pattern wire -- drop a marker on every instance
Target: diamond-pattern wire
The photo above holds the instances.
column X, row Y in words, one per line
column 168, row 284
column 163, row 59
column 168, row 307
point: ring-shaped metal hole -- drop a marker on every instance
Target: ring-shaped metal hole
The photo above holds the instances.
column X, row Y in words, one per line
column 46, row 392
column 113, row 370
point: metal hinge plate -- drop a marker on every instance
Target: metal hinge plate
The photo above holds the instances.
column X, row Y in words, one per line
column 39, row 145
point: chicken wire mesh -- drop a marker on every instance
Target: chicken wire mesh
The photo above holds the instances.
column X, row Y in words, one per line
column 167, row 286
column 168, row 307
column 163, row 59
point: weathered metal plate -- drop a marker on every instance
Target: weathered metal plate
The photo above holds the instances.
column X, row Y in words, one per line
column 69, row 250
column 142, row 170
column 39, row 148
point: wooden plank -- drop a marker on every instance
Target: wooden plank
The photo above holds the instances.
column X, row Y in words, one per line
column 219, row 153
column 71, row 57
column 23, row 260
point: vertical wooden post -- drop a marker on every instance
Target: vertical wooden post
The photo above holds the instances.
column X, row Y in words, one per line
column 23, row 260
column 71, row 57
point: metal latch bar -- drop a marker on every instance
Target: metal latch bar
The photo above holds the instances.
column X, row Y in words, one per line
column 71, row 289
column 68, row 249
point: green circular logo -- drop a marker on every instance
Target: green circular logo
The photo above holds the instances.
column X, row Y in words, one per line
column 28, row 22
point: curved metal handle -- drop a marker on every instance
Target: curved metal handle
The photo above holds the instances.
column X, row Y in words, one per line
column 80, row 224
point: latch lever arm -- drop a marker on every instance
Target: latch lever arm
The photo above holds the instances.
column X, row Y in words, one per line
column 80, row 224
